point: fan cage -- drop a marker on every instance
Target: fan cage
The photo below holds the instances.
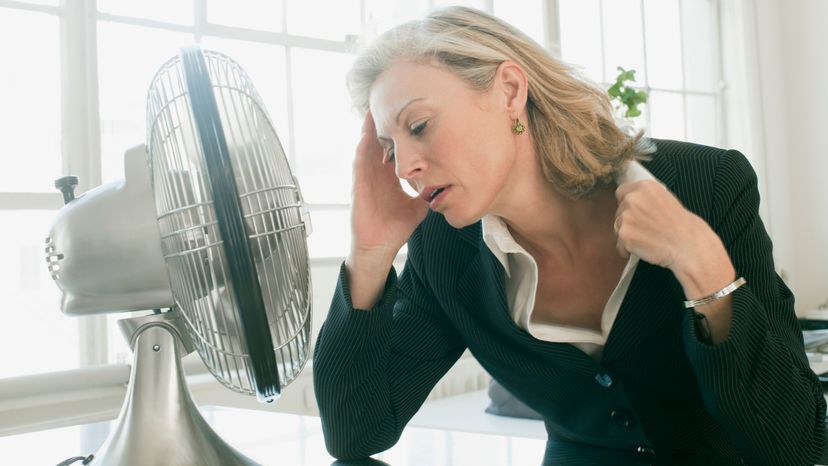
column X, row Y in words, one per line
column 191, row 243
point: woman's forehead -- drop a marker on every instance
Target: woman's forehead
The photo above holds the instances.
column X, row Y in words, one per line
column 397, row 87
column 404, row 81
column 404, row 77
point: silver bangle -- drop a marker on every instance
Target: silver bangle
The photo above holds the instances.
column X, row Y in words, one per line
column 717, row 295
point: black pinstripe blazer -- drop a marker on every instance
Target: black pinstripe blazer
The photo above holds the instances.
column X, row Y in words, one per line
column 657, row 388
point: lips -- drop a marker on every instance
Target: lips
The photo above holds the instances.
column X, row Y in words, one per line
column 435, row 194
column 429, row 193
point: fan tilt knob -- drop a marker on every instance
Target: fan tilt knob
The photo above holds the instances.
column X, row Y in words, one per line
column 66, row 185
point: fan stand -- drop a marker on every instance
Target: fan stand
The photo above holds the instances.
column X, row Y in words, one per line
column 159, row 424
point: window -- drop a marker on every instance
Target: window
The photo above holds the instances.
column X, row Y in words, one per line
column 34, row 336
column 672, row 44
column 30, row 94
column 81, row 103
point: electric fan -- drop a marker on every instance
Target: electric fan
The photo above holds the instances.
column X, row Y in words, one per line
column 208, row 223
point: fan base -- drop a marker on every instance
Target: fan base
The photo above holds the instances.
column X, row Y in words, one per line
column 159, row 424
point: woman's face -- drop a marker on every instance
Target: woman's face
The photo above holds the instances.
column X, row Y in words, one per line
column 451, row 143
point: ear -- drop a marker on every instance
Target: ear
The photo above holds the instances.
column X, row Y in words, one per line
column 511, row 80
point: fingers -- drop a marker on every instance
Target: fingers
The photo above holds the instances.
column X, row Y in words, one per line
column 637, row 204
column 369, row 151
column 620, row 243
column 621, row 247
column 646, row 202
column 369, row 131
column 368, row 126
column 648, row 188
column 650, row 222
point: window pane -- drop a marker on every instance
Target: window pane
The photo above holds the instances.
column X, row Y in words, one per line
column 663, row 31
column 580, row 30
column 331, row 235
column 118, row 351
column 171, row 11
column 699, row 44
column 324, row 19
column 250, row 14
column 528, row 17
column 128, row 58
column 265, row 65
column 30, row 94
column 623, row 38
column 701, row 119
column 325, row 128
column 382, row 15
column 666, row 115
column 36, row 336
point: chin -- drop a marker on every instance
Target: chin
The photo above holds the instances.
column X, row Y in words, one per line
column 459, row 221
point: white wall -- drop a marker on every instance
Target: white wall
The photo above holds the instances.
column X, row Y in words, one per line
column 794, row 99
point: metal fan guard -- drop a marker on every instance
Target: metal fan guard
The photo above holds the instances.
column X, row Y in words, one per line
column 193, row 247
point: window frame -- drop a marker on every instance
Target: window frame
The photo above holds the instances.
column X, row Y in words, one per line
column 80, row 113
column 721, row 133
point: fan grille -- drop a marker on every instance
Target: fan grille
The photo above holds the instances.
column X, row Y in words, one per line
column 192, row 245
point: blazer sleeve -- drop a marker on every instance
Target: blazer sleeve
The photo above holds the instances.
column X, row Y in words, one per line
column 757, row 383
column 373, row 369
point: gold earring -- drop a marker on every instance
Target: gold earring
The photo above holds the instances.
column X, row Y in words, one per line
column 518, row 127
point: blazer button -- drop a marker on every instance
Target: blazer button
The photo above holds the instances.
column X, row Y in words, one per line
column 645, row 450
column 621, row 418
column 604, row 380
column 646, row 455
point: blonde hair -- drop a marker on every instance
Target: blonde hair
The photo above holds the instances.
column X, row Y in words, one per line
column 575, row 135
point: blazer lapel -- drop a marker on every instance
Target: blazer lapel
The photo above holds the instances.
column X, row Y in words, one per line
column 481, row 286
column 481, row 290
column 649, row 304
column 651, row 298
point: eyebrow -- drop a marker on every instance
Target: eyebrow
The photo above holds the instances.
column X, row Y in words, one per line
column 397, row 118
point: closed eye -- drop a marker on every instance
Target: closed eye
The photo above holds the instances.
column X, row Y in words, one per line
column 418, row 129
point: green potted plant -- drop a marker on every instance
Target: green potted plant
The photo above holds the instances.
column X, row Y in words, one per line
column 626, row 99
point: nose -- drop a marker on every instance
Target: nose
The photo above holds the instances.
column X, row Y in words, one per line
column 410, row 163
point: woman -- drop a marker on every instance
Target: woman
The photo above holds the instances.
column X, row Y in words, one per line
column 623, row 288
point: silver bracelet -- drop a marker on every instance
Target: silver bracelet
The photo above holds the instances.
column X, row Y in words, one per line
column 717, row 295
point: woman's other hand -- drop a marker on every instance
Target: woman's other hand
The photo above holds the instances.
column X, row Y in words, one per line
column 652, row 224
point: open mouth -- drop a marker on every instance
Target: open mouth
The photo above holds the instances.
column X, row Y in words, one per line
column 435, row 193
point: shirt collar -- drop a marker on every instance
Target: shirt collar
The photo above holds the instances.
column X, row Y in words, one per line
column 500, row 241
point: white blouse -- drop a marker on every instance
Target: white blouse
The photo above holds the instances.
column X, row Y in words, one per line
column 522, row 282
